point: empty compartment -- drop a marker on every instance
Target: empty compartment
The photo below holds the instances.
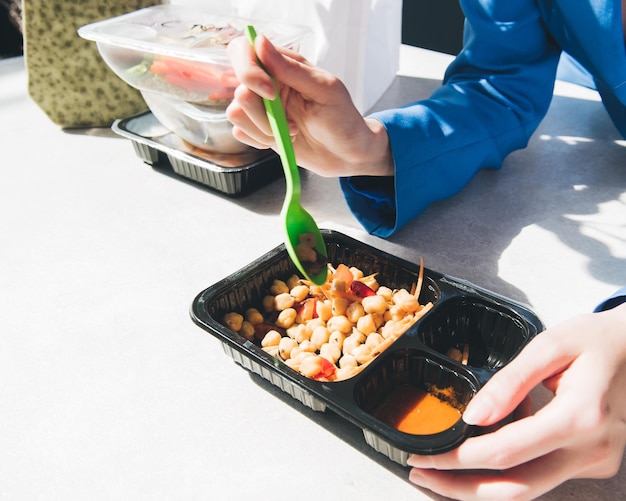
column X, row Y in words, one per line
column 478, row 332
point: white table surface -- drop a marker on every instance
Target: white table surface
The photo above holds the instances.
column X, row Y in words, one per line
column 109, row 391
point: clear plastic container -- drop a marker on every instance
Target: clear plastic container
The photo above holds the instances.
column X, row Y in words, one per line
column 204, row 127
column 179, row 53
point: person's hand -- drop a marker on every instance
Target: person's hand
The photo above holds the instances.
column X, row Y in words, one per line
column 330, row 136
column 580, row 433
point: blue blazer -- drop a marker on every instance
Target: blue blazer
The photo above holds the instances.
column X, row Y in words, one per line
column 492, row 99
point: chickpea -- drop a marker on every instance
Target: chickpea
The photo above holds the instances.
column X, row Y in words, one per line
column 393, row 329
column 285, row 346
column 339, row 306
column 311, row 366
column 373, row 340
column 268, row 304
column 313, row 324
column 247, row 330
column 295, row 354
column 278, row 287
column 293, row 364
column 385, row 292
column 233, row 321
column 320, row 336
column 387, row 316
column 301, row 354
column 371, row 282
column 299, row 292
column 366, row 325
column 304, row 334
column 324, row 310
column 352, row 341
column 375, row 304
column 348, row 362
column 286, row 318
column 378, row 319
column 397, row 312
column 293, row 281
column 272, row 338
column 271, row 350
column 387, row 330
column 337, row 338
column 405, row 300
column 283, row 301
column 340, row 323
column 330, row 352
column 254, row 316
column 357, row 274
column 354, row 311
column 342, row 374
column 298, row 332
column 362, row 353
column 307, row 346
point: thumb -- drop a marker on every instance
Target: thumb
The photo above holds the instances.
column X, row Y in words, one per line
column 502, row 394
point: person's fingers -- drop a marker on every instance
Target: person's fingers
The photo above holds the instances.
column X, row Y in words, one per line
column 292, row 70
column 541, row 359
column 512, row 445
column 524, row 409
column 248, row 116
column 565, row 422
column 527, row 481
column 247, row 69
column 247, row 112
column 241, row 136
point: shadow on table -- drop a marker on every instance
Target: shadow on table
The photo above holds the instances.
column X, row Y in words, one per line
column 340, row 427
column 572, row 166
column 598, row 490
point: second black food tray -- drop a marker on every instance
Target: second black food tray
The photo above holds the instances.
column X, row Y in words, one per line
column 230, row 174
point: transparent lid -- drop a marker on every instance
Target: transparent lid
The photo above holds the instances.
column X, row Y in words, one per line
column 185, row 32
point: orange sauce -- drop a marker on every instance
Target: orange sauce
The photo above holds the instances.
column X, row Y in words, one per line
column 413, row 410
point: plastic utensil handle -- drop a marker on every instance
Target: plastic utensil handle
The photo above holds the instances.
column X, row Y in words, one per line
column 278, row 123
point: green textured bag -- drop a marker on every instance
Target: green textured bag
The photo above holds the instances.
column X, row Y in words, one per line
column 67, row 77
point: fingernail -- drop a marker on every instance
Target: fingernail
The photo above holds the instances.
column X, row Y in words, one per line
column 417, row 477
column 415, row 461
column 268, row 91
column 476, row 413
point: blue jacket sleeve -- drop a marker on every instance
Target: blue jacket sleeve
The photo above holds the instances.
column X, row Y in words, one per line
column 493, row 96
column 616, row 299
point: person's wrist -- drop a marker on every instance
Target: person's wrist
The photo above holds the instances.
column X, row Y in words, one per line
column 374, row 153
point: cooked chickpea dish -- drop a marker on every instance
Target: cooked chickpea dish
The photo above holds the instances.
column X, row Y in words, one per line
column 330, row 332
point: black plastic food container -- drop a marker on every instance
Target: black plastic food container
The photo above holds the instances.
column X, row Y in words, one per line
column 234, row 175
column 495, row 329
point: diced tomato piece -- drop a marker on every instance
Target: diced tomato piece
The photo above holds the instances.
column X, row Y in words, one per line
column 307, row 309
column 328, row 370
column 359, row 289
column 343, row 274
column 197, row 76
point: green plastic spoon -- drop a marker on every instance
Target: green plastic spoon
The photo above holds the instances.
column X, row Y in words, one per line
column 303, row 239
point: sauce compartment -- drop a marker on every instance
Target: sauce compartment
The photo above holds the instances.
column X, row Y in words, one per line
column 493, row 327
column 394, row 387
